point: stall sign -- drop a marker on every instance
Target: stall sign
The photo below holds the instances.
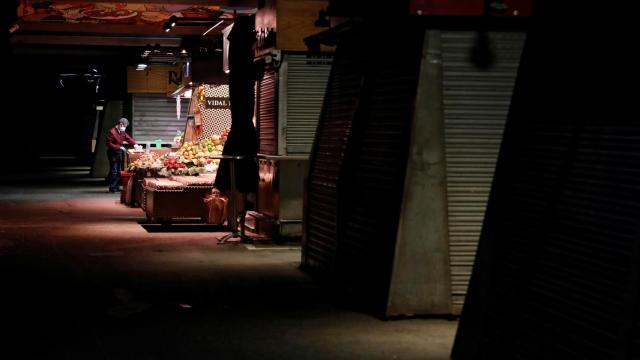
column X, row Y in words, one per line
column 158, row 79
column 216, row 103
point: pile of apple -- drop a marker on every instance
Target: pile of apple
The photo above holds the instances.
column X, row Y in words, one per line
column 200, row 153
column 172, row 163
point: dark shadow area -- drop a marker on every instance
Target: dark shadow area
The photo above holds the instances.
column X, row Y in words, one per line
column 557, row 271
column 51, row 178
column 179, row 227
column 97, row 191
column 82, row 280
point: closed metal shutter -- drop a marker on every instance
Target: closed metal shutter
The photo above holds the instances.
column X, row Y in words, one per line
column 267, row 106
column 582, row 281
column 476, row 103
column 304, row 80
column 375, row 171
column 326, row 162
column 558, row 266
column 154, row 117
column 563, row 257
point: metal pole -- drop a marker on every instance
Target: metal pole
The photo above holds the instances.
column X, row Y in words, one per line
column 233, row 222
column 234, row 219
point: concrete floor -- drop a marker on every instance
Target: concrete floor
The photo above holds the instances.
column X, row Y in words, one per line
column 80, row 278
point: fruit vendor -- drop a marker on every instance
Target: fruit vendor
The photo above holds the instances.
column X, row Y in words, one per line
column 115, row 150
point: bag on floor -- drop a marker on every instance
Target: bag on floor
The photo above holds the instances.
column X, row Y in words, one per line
column 217, row 206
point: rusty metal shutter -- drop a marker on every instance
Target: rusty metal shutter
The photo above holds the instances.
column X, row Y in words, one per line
column 267, row 113
column 154, row 117
column 326, row 161
column 476, row 103
column 303, row 84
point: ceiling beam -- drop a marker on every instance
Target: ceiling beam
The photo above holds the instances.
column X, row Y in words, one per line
column 32, row 39
column 121, row 29
column 231, row 3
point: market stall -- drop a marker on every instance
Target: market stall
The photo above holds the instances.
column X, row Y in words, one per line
column 173, row 183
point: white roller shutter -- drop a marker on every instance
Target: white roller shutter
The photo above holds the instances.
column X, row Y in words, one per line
column 155, row 117
column 303, row 84
column 476, row 104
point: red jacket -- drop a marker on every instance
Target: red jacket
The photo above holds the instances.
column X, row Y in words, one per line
column 115, row 138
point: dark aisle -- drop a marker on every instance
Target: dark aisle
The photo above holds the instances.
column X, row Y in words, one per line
column 82, row 279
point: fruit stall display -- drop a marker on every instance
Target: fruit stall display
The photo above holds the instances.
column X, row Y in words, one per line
column 191, row 158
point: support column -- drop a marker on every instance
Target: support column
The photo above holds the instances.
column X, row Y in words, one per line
column 420, row 282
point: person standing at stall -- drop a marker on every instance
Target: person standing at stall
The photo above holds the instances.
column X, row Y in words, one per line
column 115, row 151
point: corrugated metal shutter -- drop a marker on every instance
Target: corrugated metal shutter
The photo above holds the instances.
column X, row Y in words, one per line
column 306, row 82
column 557, row 275
column 579, row 288
column 476, row 103
column 267, row 106
column 154, row 117
column 375, row 171
column 565, row 245
column 326, row 162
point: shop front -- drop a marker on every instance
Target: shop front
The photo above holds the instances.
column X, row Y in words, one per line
column 288, row 103
column 290, row 90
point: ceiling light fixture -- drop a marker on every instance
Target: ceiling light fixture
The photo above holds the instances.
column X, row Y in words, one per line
column 213, row 27
column 174, row 21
